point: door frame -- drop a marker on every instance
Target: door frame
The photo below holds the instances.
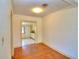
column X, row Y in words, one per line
column 21, row 29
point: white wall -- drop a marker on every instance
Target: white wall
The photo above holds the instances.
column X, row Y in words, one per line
column 17, row 19
column 60, row 31
column 5, row 34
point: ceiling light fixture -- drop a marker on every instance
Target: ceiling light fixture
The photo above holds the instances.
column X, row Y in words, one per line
column 37, row 10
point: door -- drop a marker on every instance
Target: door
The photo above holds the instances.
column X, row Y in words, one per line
column 5, row 38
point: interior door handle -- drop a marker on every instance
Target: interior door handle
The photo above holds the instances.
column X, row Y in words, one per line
column 2, row 41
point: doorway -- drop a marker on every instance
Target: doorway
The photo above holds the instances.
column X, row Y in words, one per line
column 28, row 32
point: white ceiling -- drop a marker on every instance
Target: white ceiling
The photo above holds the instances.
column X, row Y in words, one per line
column 24, row 7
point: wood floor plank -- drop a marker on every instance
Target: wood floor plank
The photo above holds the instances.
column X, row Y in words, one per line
column 37, row 51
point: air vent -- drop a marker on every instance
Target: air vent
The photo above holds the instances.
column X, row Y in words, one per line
column 44, row 5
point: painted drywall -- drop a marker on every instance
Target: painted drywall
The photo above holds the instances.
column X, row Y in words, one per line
column 5, row 34
column 60, row 31
column 17, row 19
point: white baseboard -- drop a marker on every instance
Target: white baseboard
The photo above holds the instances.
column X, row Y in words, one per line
column 60, row 51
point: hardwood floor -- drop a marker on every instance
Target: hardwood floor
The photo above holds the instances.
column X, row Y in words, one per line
column 37, row 51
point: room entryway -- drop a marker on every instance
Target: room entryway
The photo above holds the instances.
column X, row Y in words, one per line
column 28, row 32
